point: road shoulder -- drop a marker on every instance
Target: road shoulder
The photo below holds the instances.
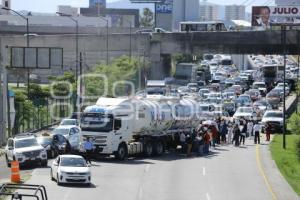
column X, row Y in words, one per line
column 280, row 186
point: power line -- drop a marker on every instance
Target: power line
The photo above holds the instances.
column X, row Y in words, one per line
column 249, row 4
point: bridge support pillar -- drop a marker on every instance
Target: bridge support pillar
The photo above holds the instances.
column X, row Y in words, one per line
column 160, row 67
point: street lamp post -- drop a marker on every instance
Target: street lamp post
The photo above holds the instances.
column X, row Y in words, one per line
column 27, row 42
column 103, row 18
column 77, row 49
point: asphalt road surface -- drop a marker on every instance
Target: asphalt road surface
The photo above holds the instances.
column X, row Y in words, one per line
column 227, row 173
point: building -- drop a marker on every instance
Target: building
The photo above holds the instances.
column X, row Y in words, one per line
column 287, row 2
column 235, row 12
column 119, row 17
column 208, row 11
column 68, row 10
column 170, row 13
column 7, row 4
column 100, row 4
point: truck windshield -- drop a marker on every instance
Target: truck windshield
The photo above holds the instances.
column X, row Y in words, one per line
column 96, row 122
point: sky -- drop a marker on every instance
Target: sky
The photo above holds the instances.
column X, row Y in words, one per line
column 50, row 6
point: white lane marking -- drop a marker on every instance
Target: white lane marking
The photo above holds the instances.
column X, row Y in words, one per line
column 147, row 167
column 204, row 171
column 207, row 196
column 140, row 195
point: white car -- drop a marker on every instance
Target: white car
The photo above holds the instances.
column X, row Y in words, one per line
column 247, row 113
column 71, row 133
column 66, row 122
column 274, row 117
column 25, row 149
column 261, row 86
column 281, row 86
column 70, row 169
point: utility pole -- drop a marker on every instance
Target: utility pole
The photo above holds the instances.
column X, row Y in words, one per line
column 107, row 55
column 283, row 42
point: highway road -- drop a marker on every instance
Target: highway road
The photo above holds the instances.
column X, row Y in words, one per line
column 228, row 172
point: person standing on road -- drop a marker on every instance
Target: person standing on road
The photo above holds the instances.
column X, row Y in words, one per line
column 182, row 142
column 236, row 135
column 88, row 147
column 223, row 131
column 206, row 139
column 256, row 130
column 243, row 133
column 189, row 141
column 268, row 130
column 250, row 128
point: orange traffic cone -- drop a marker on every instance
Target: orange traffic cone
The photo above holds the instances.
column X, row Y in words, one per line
column 15, row 172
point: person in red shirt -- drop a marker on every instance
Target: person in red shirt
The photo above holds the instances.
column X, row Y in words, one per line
column 268, row 130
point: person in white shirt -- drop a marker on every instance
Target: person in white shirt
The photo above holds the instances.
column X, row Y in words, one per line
column 250, row 128
column 256, row 130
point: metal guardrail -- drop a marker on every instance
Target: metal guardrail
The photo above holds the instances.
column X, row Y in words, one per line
column 38, row 191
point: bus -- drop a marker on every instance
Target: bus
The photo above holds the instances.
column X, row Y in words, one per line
column 191, row 26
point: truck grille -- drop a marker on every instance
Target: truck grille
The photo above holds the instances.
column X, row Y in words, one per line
column 32, row 154
column 70, row 173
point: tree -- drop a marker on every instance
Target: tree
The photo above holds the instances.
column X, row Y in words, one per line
column 120, row 70
column 147, row 19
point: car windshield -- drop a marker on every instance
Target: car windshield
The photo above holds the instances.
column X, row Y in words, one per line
column 244, row 98
column 245, row 110
column 26, row 143
column 68, row 122
column 61, row 131
column 44, row 141
column 274, row 114
column 72, row 162
column 259, row 85
column 260, row 103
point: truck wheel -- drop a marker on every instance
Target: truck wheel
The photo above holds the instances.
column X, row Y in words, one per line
column 121, row 154
column 159, row 148
column 7, row 162
column 148, row 149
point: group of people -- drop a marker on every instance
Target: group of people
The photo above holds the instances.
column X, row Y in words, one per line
column 222, row 132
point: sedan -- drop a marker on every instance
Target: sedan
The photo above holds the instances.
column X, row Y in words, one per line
column 244, row 100
column 247, row 113
column 70, row 169
column 69, row 122
column 54, row 144
column 254, row 94
column 262, row 106
column 273, row 98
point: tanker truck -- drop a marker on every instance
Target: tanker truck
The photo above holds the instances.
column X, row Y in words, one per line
column 125, row 126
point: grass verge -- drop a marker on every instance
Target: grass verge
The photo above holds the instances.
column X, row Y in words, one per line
column 287, row 160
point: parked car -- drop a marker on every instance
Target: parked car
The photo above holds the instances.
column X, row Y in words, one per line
column 261, row 86
column 193, row 87
column 25, row 149
column 273, row 118
column 254, row 94
column 54, row 144
column 203, row 93
column 262, row 105
column 273, row 98
column 71, row 133
column 247, row 113
column 67, row 122
column 244, row 100
column 70, row 169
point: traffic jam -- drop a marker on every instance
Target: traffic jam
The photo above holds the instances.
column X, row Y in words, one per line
column 232, row 105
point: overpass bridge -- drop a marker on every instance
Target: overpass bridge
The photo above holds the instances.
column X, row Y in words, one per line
column 157, row 48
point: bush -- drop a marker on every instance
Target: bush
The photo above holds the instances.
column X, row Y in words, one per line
column 294, row 123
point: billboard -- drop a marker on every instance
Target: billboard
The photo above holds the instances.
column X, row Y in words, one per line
column 264, row 16
column 96, row 3
column 165, row 7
